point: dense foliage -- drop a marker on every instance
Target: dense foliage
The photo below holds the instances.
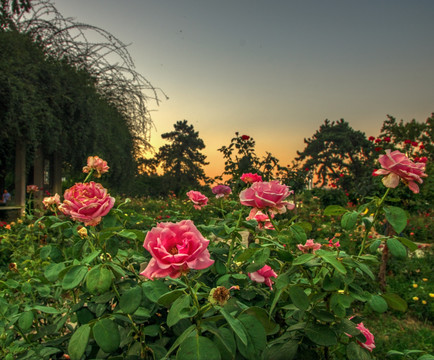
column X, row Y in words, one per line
column 229, row 277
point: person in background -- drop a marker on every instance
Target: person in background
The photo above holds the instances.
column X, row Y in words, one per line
column 5, row 197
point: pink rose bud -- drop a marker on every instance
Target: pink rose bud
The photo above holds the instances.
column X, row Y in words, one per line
column 97, row 164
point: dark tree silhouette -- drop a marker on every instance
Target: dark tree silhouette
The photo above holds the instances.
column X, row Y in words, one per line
column 181, row 159
column 336, row 150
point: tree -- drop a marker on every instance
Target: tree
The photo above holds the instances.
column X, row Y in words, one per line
column 240, row 157
column 340, row 156
column 181, row 159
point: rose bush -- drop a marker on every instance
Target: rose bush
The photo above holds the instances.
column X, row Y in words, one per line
column 264, row 275
column 87, row 202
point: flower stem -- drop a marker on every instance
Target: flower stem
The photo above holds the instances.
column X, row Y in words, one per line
column 231, row 248
column 369, row 227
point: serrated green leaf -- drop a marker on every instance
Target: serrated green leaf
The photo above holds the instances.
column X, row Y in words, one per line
column 298, row 297
column 377, row 303
column 334, row 210
column 98, row 280
column 198, row 348
column 74, row 276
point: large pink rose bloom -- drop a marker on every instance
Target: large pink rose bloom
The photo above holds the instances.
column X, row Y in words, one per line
column 175, row 248
column 264, row 275
column 267, row 195
column 199, row 200
column 87, row 202
column 396, row 166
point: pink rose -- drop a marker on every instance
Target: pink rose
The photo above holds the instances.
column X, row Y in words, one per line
column 263, row 275
column 51, row 202
column 267, row 195
column 397, row 166
column 221, row 191
column 199, row 200
column 370, row 341
column 87, row 202
column 263, row 220
column 97, row 164
column 175, row 248
column 250, row 178
column 308, row 246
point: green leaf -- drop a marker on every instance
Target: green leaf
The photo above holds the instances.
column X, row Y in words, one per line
column 46, row 309
column 98, row 280
column 348, row 327
column 245, row 255
column 52, row 271
column 180, row 339
column 334, row 210
column 408, row 243
column 299, row 297
column 263, row 317
column 354, row 351
column 236, row 326
column 395, row 302
column 25, row 320
column 396, row 217
column 127, row 234
column 374, row 246
column 106, row 335
column 302, row 259
column 366, row 270
column 378, row 304
column 287, row 351
column 349, row 220
column 321, row 334
column 180, row 309
column 74, row 276
column 77, row 344
column 225, row 341
column 258, row 260
column 396, row 248
column 332, row 260
column 131, row 299
column 298, row 233
column 257, row 339
column 198, row 348
column 168, row 298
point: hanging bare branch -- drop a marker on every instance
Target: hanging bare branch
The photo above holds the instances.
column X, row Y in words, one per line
column 102, row 55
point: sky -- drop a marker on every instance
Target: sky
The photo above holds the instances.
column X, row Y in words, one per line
column 274, row 70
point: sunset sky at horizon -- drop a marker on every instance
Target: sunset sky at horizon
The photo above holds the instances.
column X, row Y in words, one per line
column 274, row 70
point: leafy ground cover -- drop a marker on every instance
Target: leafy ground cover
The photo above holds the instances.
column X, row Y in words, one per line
column 245, row 275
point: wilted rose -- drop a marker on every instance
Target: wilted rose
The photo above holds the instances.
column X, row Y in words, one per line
column 175, row 248
column 264, row 275
column 396, row 166
column 221, row 191
column 267, row 195
column 51, row 202
column 87, row 202
column 97, row 164
column 199, row 200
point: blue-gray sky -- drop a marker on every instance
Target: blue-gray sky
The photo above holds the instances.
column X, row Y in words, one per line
column 274, row 70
